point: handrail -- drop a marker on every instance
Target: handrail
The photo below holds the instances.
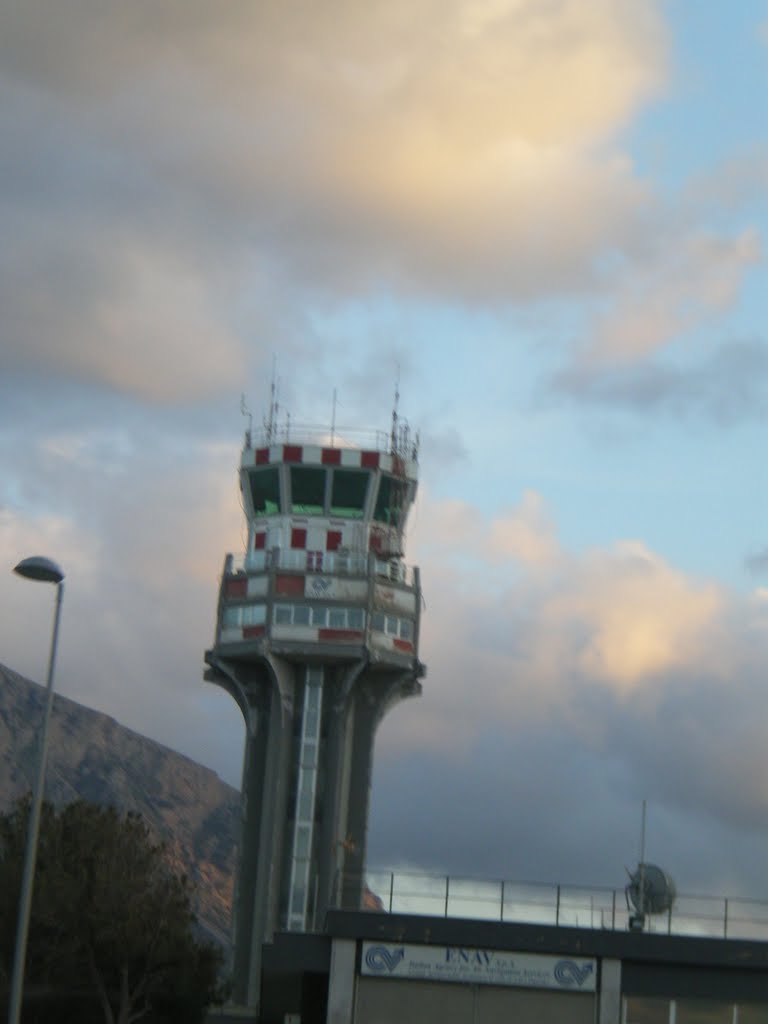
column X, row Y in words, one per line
column 401, row 442
column 559, row 905
column 334, row 563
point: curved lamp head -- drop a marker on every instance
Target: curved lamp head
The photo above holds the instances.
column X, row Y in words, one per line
column 39, row 568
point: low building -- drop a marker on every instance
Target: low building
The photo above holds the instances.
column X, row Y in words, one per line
column 375, row 968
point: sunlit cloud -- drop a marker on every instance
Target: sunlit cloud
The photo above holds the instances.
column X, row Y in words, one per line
column 692, row 279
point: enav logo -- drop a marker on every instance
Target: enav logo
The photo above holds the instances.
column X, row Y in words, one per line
column 382, row 960
column 568, row 973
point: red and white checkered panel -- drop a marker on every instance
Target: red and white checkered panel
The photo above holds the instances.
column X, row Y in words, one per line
column 314, row 455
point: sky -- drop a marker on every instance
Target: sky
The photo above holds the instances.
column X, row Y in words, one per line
column 546, row 219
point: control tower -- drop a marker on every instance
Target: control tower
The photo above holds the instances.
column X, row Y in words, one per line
column 316, row 638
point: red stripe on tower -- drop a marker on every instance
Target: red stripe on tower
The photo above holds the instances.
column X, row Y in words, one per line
column 249, row 632
column 262, row 456
column 348, row 635
column 369, row 460
column 331, row 457
column 292, row 453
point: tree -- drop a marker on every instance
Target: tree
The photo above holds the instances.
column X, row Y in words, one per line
column 109, row 914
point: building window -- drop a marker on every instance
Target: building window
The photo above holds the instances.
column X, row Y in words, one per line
column 337, row 618
column 348, row 493
column 314, row 561
column 355, row 618
column 254, row 614
column 307, row 491
column 322, row 617
column 389, row 501
column 265, row 491
column 230, row 618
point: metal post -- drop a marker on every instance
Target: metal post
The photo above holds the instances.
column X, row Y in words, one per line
column 501, row 916
column 391, row 889
column 33, row 830
column 557, row 907
column 725, row 921
column 447, row 886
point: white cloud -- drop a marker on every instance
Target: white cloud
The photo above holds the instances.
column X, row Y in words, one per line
column 690, row 279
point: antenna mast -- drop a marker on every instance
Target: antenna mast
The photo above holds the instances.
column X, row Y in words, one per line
column 246, row 412
column 270, row 425
column 393, row 439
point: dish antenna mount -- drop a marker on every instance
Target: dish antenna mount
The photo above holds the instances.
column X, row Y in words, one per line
column 650, row 889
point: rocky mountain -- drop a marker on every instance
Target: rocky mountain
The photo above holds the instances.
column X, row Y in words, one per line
column 92, row 757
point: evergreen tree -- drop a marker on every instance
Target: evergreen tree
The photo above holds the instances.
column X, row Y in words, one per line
column 109, row 915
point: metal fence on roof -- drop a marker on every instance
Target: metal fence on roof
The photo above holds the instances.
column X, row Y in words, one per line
column 402, row 892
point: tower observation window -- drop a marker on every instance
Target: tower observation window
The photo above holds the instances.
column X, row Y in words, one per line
column 348, row 493
column 389, row 502
column 307, row 491
column 265, row 491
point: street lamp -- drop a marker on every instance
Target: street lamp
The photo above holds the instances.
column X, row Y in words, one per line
column 46, row 571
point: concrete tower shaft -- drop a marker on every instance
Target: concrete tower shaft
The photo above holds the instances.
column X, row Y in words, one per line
column 316, row 638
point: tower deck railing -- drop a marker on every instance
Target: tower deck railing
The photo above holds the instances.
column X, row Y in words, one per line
column 401, row 442
column 560, row 905
column 333, row 563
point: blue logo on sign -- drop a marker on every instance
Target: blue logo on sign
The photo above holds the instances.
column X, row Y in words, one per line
column 381, row 959
column 568, row 973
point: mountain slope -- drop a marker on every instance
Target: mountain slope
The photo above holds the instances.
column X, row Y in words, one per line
column 94, row 758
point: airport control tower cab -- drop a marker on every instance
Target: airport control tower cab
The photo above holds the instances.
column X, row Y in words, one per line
column 316, row 638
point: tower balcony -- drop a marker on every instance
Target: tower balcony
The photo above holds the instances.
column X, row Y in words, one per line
column 319, row 604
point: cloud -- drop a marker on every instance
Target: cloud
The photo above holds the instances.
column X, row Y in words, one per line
column 110, row 307
column 560, row 696
column 694, row 278
column 181, row 159
column 757, row 562
column 727, row 385
column 526, row 535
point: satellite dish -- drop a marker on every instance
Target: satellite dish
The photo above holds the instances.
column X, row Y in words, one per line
column 650, row 890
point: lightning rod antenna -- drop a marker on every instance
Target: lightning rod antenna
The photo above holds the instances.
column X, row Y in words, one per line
column 271, row 423
column 247, row 413
column 393, row 439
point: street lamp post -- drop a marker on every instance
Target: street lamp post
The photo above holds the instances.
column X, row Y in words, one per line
column 46, row 571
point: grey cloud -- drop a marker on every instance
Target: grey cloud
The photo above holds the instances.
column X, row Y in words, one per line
column 756, row 562
column 237, row 146
column 554, row 800
column 728, row 386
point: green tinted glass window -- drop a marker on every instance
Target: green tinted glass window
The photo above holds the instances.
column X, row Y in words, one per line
column 307, row 491
column 265, row 491
column 350, row 487
column 389, row 501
